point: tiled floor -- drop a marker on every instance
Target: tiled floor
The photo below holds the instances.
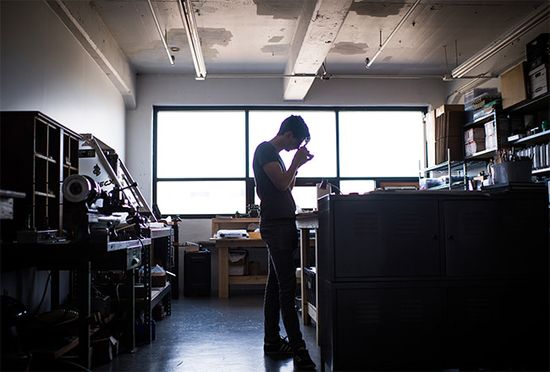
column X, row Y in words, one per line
column 210, row 334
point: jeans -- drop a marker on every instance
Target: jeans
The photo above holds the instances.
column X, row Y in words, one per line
column 281, row 238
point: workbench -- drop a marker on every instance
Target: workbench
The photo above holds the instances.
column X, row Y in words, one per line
column 223, row 246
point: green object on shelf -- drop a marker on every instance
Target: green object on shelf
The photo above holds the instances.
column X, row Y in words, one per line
column 544, row 125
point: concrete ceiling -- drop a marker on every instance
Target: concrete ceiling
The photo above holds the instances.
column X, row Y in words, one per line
column 289, row 37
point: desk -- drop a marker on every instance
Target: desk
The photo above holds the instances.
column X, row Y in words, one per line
column 306, row 222
column 223, row 245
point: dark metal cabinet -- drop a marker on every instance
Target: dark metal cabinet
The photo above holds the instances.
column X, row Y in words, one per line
column 495, row 237
column 383, row 238
column 417, row 280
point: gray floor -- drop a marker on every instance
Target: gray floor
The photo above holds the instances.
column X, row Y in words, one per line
column 210, row 334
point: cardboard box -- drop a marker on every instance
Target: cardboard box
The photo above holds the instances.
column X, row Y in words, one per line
column 513, row 86
column 447, row 108
column 238, row 262
column 491, row 142
column 430, row 138
column 538, row 81
column 158, row 279
column 474, row 134
column 490, row 128
column 473, row 147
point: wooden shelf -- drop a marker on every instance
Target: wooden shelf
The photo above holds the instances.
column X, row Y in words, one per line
column 47, row 195
column 239, row 243
column 44, row 157
column 530, row 105
column 69, row 166
column 247, row 279
column 482, row 154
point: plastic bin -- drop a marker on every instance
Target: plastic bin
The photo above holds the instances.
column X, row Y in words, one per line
column 196, row 277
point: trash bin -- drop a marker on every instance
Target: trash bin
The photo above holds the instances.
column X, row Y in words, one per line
column 196, row 277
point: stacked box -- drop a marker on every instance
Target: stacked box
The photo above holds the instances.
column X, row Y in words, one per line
column 491, row 141
column 538, row 81
column 449, row 135
column 474, row 141
column 474, row 134
column 472, row 147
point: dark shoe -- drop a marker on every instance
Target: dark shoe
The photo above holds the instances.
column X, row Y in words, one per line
column 302, row 360
column 279, row 348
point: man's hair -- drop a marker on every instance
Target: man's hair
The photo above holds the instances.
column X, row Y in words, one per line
column 296, row 125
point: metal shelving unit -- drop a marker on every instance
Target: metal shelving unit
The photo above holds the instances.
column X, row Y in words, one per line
column 535, row 144
column 162, row 244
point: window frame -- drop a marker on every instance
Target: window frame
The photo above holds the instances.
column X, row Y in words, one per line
column 249, row 181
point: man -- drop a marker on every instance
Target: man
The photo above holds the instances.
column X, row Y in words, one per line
column 278, row 228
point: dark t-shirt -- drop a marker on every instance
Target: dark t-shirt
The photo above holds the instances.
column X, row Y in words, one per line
column 275, row 204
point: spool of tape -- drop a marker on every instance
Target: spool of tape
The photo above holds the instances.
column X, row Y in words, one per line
column 78, row 188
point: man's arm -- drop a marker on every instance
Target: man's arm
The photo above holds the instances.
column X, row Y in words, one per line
column 281, row 179
column 284, row 180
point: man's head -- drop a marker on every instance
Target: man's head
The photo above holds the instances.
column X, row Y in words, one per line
column 295, row 130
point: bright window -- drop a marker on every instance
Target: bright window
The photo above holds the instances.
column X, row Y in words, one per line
column 200, row 144
column 380, row 143
column 201, row 197
column 264, row 125
column 203, row 166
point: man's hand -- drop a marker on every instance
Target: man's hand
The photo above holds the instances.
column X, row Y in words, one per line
column 302, row 156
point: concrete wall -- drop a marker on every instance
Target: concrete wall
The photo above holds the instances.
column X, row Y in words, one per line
column 44, row 68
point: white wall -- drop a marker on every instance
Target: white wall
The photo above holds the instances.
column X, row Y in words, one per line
column 44, row 68
column 181, row 91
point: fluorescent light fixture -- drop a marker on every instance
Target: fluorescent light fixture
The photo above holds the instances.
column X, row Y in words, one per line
column 370, row 61
column 160, row 33
column 535, row 18
column 188, row 19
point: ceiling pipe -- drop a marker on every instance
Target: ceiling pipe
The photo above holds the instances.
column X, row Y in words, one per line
column 309, row 76
column 170, row 58
column 409, row 12
column 535, row 18
column 188, row 19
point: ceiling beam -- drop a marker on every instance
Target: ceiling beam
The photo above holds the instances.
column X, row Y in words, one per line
column 318, row 26
column 88, row 28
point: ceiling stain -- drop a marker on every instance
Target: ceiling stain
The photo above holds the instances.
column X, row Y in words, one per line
column 382, row 9
column 347, row 48
column 208, row 9
column 275, row 39
column 387, row 59
column 276, row 50
column 209, row 37
column 278, row 9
